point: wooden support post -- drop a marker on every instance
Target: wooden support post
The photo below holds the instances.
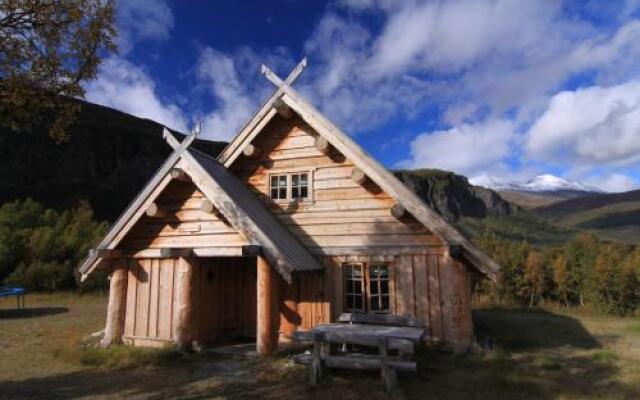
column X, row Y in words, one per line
column 316, row 360
column 251, row 150
column 358, row 176
column 389, row 377
column 117, row 304
column 155, row 211
column 322, row 145
column 398, row 211
column 283, row 109
column 179, row 174
column 268, row 294
column 183, row 329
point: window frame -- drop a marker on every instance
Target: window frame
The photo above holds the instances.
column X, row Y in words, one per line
column 289, row 173
column 366, row 267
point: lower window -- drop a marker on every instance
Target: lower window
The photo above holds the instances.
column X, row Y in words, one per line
column 366, row 287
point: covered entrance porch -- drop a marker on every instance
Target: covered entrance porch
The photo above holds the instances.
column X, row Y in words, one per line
column 191, row 302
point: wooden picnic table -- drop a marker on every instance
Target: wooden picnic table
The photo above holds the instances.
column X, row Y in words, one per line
column 402, row 339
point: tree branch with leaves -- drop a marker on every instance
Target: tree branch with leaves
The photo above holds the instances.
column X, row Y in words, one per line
column 47, row 50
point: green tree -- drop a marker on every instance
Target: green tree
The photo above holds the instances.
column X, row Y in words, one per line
column 48, row 48
column 562, row 277
column 40, row 249
column 534, row 276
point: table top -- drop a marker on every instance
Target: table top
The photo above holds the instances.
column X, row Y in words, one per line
column 399, row 332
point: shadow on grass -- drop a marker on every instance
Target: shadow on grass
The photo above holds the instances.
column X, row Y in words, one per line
column 515, row 330
column 194, row 377
column 34, row 312
column 537, row 355
column 145, row 381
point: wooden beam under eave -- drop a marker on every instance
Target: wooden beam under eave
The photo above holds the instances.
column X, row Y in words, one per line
column 322, row 145
column 283, row 109
column 398, row 211
column 251, row 151
column 172, row 252
column 179, row 174
column 456, row 251
column 251, row 250
column 155, row 211
column 358, row 176
column 207, row 206
column 105, row 253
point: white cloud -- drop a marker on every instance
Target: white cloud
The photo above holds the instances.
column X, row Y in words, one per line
column 466, row 149
column 140, row 20
column 492, row 55
column 589, row 127
column 614, row 182
column 234, row 104
column 126, row 87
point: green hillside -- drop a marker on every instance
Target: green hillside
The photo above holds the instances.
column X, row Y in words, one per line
column 107, row 160
column 614, row 216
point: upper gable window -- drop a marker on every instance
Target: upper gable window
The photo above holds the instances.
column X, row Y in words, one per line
column 279, row 185
column 291, row 186
column 300, row 186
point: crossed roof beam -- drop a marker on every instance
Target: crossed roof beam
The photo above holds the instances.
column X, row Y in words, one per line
column 293, row 75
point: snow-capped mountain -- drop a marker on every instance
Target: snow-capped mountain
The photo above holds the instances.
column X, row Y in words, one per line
column 541, row 183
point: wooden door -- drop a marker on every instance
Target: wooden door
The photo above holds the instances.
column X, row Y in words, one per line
column 227, row 297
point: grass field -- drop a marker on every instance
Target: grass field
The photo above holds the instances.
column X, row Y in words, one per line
column 529, row 355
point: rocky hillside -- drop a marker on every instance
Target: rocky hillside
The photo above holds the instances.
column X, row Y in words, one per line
column 453, row 196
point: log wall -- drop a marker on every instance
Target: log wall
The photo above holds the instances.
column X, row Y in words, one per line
column 342, row 212
column 185, row 226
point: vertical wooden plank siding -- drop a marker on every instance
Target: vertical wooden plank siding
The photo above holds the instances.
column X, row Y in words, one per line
column 456, row 305
column 154, row 275
column 289, row 317
column 142, row 303
column 165, row 296
column 421, row 284
column 405, row 296
column 132, row 285
column 435, row 300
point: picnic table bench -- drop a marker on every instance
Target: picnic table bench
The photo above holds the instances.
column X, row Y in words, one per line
column 388, row 333
column 8, row 290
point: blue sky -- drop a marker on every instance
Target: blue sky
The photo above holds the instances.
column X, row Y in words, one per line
column 496, row 90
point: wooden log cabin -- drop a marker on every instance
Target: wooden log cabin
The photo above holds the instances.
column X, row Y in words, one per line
column 291, row 225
